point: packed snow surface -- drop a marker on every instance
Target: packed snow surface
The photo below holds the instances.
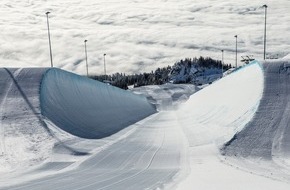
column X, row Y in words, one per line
column 180, row 146
column 24, row 139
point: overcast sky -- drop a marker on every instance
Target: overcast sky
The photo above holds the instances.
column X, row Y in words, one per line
column 137, row 35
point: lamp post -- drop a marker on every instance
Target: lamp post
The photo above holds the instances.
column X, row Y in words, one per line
column 236, row 36
column 105, row 65
column 222, row 61
column 265, row 30
column 51, row 63
column 86, row 58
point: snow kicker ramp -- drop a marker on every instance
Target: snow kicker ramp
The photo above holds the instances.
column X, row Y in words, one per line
column 267, row 136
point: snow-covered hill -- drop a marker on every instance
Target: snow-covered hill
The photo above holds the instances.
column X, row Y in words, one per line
column 197, row 71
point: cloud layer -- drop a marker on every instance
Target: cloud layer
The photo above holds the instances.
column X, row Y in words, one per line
column 137, row 35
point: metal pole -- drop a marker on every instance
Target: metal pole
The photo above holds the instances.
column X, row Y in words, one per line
column 51, row 63
column 265, row 30
column 105, row 65
column 222, row 62
column 86, row 58
column 236, row 36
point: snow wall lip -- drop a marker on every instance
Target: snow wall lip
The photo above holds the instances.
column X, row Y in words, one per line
column 87, row 108
column 267, row 135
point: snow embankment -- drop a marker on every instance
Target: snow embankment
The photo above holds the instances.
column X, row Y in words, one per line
column 88, row 108
column 218, row 111
column 265, row 141
column 210, row 118
column 24, row 139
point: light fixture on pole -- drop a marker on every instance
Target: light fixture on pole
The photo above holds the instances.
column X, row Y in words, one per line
column 265, row 30
column 105, row 65
column 86, row 58
column 222, row 62
column 49, row 39
column 236, row 36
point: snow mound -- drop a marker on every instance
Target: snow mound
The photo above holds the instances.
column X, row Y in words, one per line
column 87, row 108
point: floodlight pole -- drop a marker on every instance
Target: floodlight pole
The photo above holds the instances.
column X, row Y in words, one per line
column 222, row 61
column 87, row 67
column 51, row 63
column 236, row 36
column 105, row 65
column 265, row 30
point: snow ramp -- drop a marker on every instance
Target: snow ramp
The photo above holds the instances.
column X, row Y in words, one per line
column 87, row 108
column 267, row 136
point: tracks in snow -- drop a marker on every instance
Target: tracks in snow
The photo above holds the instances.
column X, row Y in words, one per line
column 150, row 157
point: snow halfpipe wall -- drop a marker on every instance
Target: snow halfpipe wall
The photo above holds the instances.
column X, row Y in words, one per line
column 88, row 108
column 268, row 134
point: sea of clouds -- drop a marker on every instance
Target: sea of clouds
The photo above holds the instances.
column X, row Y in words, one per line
column 137, row 35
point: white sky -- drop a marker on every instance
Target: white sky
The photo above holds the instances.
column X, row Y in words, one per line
column 138, row 35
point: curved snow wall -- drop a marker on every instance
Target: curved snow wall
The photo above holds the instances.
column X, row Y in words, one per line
column 87, row 108
column 268, row 134
column 216, row 113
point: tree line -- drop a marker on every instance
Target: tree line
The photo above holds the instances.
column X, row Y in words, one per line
column 160, row 75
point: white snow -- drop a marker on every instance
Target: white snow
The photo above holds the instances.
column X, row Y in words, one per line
column 263, row 146
column 24, row 140
column 210, row 118
column 167, row 96
column 81, row 106
column 176, row 148
column 217, row 112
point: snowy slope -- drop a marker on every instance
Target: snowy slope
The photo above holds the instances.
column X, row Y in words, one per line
column 211, row 117
column 23, row 134
column 220, row 110
column 265, row 140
